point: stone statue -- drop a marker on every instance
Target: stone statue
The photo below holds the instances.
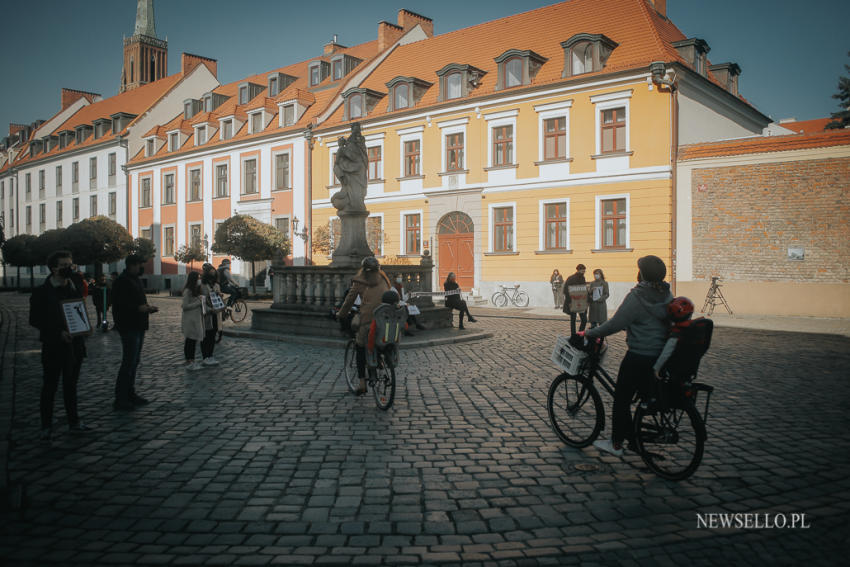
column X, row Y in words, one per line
column 351, row 168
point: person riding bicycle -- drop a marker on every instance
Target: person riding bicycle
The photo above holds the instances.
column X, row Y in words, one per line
column 643, row 314
column 370, row 283
column 227, row 283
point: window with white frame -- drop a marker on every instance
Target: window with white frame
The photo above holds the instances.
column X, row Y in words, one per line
column 58, row 179
column 288, row 114
column 195, row 235
column 502, row 138
column 146, row 233
column 282, row 224
column 222, row 188
column 554, row 223
column 93, row 206
column 201, row 135
column 281, row 172
column 168, row 189
column 145, row 198
column 173, row 142
column 113, row 166
column 226, row 129
column 501, row 221
column 168, row 241
column 454, row 151
column 612, row 213
column 59, row 214
column 92, row 173
column 41, row 181
column 75, row 176
column 42, row 215
column 249, row 184
column 256, row 122
column 113, row 204
column 412, row 237
column 412, row 153
column 194, row 185
column 150, row 149
column 612, row 123
column 553, row 123
column 374, row 157
column 75, row 209
column 375, row 234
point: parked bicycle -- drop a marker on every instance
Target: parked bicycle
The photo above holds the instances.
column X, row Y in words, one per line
column 510, row 294
column 669, row 431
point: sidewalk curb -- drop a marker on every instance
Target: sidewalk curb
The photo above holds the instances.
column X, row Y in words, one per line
column 333, row 342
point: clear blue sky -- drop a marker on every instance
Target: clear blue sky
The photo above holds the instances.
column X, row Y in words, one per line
column 791, row 52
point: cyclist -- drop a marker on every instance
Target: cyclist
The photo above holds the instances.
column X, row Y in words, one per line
column 370, row 283
column 643, row 314
column 227, row 283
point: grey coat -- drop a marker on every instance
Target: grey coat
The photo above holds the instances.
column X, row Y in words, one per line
column 643, row 315
column 192, row 322
column 598, row 309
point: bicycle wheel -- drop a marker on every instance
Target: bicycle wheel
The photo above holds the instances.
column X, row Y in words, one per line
column 670, row 440
column 521, row 299
column 575, row 410
column 239, row 312
column 384, row 385
column 499, row 299
column 349, row 368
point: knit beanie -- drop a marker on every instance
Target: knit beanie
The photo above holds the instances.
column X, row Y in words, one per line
column 652, row 268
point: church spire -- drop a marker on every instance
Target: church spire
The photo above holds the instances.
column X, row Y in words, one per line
column 145, row 24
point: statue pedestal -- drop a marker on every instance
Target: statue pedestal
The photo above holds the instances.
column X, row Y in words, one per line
column 353, row 246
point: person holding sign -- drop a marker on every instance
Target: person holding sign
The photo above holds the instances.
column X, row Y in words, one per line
column 575, row 298
column 214, row 305
column 598, row 299
column 130, row 310
column 58, row 312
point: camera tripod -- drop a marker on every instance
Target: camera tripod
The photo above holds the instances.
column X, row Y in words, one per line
column 714, row 297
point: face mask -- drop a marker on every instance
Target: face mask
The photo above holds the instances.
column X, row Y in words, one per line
column 597, row 276
column 398, row 280
column 66, row 272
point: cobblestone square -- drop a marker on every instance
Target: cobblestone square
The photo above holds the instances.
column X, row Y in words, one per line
column 267, row 459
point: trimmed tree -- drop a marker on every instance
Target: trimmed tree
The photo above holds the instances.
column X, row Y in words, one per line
column 17, row 251
column 322, row 240
column 98, row 240
column 841, row 119
column 49, row 242
column 143, row 247
column 248, row 239
column 190, row 254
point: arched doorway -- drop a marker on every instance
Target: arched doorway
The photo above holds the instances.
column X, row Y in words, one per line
column 456, row 240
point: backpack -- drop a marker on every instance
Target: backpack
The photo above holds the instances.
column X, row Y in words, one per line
column 694, row 341
column 385, row 331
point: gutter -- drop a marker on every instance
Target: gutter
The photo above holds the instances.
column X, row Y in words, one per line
column 658, row 69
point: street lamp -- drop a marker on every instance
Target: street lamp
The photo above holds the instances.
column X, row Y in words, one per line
column 305, row 232
column 207, row 251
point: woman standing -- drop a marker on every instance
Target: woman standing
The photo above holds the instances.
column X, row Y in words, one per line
column 193, row 319
column 454, row 301
column 557, row 281
column 209, row 284
column 598, row 299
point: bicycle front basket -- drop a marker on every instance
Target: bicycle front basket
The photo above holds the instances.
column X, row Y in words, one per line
column 566, row 357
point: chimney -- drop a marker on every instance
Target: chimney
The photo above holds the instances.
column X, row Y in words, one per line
column 333, row 46
column 15, row 128
column 660, row 6
column 70, row 96
column 189, row 61
column 407, row 20
column 388, row 34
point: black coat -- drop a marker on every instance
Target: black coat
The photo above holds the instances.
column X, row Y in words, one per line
column 127, row 295
column 575, row 279
column 46, row 310
column 453, row 301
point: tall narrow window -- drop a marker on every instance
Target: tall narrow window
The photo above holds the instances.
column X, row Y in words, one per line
column 375, row 234
column 374, row 163
column 41, row 184
column 168, row 241
column 411, row 158
column 454, row 152
column 503, row 145
column 582, row 58
column 281, row 172
column 453, row 86
column 613, row 217
column 243, row 95
column 315, row 75
column 113, row 204
column 282, row 224
column 42, row 215
column 503, row 229
column 402, row 96
column 112, row 166
column 75, row 176
column 221, row 189
column 273, row 90
column 412, row 234
column 149, row 148
column 93, row 206
column 257, row 122
column 202, row 136
column 59, row 214
column 227, row 130
column 168, row 190
column 28, row 185
column 146, row 192
column 355, row 106
column 513, row 72
column 613, row 130
column 336, row 66
column 195, row 185
column 195, row 235
column 556, row 226
column 75, row 209
column 555, row 138
column 289, row 115
column 92, row 173
column 58, row 179
column 250, row 185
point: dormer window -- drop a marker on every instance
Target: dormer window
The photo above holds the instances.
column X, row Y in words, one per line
column 693, row 51
column 341, row 65
column 257, row 122
column 243, row 95
column 359, row 102
column 289, row 115
column 336, row 66
column 278, row 83
column 457, row 80
column 200, row 135
column 173, row 141
column 405, row 92
column 100, row 127
column 191, row 107
column 518, row 67
column 274, row 86
column 150, row 147
column 120, row 120
column 226, row 129
column 211, row 101
column 247, row 91
column 727, row 75
column 586, row 53
column 319, row 71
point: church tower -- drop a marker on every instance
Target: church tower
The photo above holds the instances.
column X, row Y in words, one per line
column 145, row 56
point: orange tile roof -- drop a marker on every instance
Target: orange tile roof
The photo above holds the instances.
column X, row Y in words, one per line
column 643, row 36
column 807, row 126
column 765, row 144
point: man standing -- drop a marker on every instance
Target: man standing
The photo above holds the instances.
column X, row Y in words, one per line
column 577, row 279
column 60, row 352
column 130, row 311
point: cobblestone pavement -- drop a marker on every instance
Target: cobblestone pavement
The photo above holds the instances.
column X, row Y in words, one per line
column 268, row 460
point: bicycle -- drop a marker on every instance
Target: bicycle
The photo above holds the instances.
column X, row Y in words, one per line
column 380, row 379
column 234, row 309
column 670, row 445
column 512, row 294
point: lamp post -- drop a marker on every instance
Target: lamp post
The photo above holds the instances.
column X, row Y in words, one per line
column 207, row 251
column 304, row 233
column 308, row 245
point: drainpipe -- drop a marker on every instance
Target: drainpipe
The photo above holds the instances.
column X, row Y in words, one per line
column 124, row 143
column 659, row 78
column 308, row 222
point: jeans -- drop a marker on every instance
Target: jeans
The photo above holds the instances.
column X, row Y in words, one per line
column 131, row 351
column 583, row 316
column 189, row 349
column 233, row 291
column 635, row 374
column 63, row 359
column 208, row 344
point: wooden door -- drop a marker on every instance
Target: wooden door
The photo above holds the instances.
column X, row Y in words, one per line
column 456, row 238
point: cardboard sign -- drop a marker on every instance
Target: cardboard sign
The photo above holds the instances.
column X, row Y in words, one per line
column 216, row 301
column 578, row 298
column 76, row 317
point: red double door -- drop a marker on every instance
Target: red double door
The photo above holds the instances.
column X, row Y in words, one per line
column 456, row 239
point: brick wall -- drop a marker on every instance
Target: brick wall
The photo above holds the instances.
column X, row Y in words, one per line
column 745, row 217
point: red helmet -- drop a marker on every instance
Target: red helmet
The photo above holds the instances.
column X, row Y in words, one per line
column 680, row 309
